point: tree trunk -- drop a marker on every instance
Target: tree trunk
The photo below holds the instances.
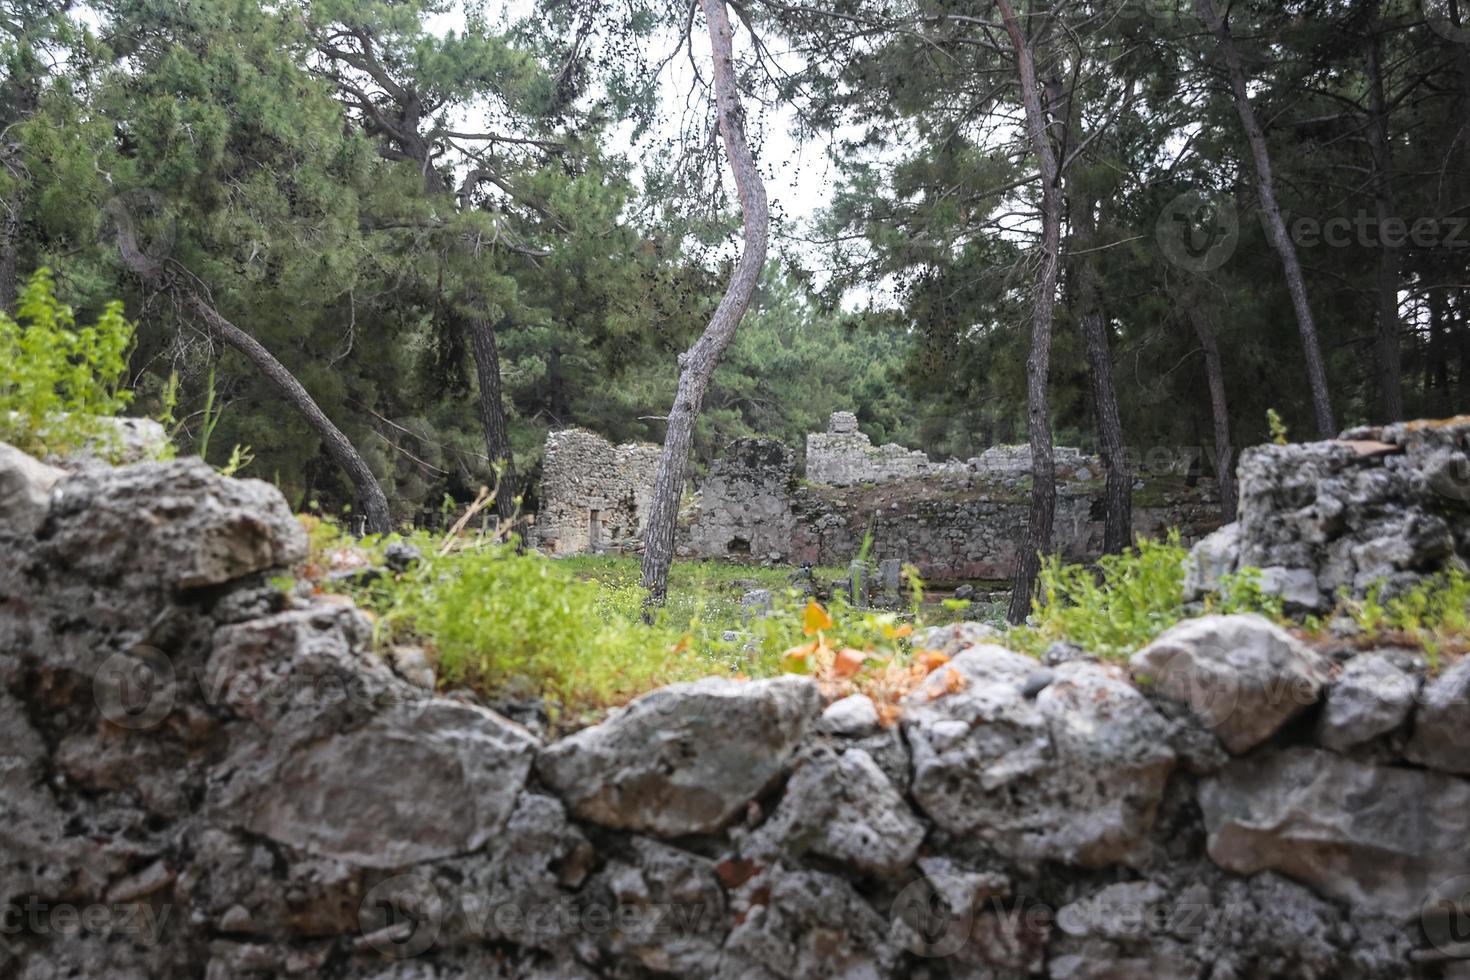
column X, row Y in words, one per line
column 370, row 497
column 1387, row 318
column 1118, row 494
column 10, row 230
column 697, row 365
column 1219, row 411
column 371, row 500
column 1043, row 307
column 492, row 415
column 1296, row 284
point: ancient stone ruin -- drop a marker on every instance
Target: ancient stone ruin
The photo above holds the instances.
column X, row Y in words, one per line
column 954, row 520
column 594, row 495
column 206, row 775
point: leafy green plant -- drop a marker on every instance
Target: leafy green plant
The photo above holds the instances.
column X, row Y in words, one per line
column 1110, row 610
column 1240, row 592
column 1435, row 613
column 1277, row 427
column 59, row 378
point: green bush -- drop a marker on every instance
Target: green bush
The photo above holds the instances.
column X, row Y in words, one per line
column 1432, row 613
column 58, row 379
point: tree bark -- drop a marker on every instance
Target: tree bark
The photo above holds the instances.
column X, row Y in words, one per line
column 1296, row 284
column 1387, row 319
column 1219, row 410
column 370, row 497
column 697, row 365
column 1118, row 492
column 9, row 252
column 492, row 415
column 1043, row 308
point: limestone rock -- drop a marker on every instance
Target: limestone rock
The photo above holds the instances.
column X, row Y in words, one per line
column 179, row 525
column 1441, row 738
column 854, row 716
column 1213, row 557
column 420, row 781
column 25, row 491
column 844, row 809
column 952, row 638
column 1377, row 837
column 1075, row 775
column 1242, row 675
column 1368, row 698
column 806, row 924
column 683, row 759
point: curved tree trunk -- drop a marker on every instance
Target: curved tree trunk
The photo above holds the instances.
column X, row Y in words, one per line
column 697, row 365
column 1219, row 412
column 1043, row 308
column 492, row 415
column 10, row 230
column 1388, row 365
column 1118, row 492
column 1296, row 284
column 370, row 497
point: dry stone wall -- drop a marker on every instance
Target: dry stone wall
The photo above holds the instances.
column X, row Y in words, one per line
column 204, row 776
column 594, row 495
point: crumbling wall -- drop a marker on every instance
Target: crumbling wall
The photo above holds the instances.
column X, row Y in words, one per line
column 204, row 775
column 594, row 495
column 746, row 503
column 844, row 457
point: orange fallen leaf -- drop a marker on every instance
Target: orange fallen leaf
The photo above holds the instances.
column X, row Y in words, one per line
column 931, row 660
column 815, row 618
column 849, row 661
column 734, row 872
column 888, row 714
column 903, row 630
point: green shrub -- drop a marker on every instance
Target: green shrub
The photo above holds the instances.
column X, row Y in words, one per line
column 58, row 379
column 1111, row 609
column 1432, row 613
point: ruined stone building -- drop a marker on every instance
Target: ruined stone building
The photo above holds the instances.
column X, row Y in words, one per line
column 594, row 495
column 955, row 520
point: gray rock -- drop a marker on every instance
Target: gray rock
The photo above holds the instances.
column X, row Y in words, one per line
column 844, row 809
column 1074, row 776
column 400, row 556
column 412, row 664
column 683, row 759
column 665, row 910
column 1213, row 556
column 176, row 525
column 1376, row 837
column 1368, row 698
column 805, row 924
column 1242, row 676
column 1441, row 738
column 964, row 891
column 25, row 491
column 381, row 796
column 1297, row 587
column 955, row 637
column 854, row 716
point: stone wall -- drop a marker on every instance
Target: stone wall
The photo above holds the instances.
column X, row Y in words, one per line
column 955, row 520
column 844, row 457
column 963, row 523
column 204, row 775
column 594, row 495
